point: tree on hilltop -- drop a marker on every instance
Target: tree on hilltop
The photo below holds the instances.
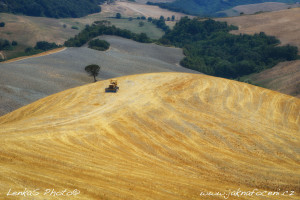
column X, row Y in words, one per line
column 92, row 70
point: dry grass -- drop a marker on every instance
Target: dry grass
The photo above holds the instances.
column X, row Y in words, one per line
column 162, row 136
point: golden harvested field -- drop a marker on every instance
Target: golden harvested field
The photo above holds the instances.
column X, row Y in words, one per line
column 162, row 136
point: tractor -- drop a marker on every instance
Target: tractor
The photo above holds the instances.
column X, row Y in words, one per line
column 113, row 86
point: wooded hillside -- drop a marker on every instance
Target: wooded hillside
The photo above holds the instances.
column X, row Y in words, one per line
column 51, row 8
column 211, row 49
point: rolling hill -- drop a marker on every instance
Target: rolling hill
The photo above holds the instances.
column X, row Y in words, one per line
column 162, row 136
column 25, row 81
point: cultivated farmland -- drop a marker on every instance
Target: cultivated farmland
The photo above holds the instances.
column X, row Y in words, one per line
column 162, row 136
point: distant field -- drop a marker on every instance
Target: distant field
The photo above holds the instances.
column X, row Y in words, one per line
column 25, row 81
column 282, row 24
column 260, row 7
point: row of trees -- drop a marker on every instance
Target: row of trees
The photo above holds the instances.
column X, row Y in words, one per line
column 40, row 47
column 104, row 29
column 211, row 49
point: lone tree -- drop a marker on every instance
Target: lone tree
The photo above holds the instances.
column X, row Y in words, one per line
column 92, row 70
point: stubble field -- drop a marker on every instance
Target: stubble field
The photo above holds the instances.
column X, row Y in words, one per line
column 162, row 136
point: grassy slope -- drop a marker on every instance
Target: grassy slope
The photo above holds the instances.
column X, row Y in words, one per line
column 162, row 136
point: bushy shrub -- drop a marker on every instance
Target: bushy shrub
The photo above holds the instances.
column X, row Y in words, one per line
column 100, row 45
